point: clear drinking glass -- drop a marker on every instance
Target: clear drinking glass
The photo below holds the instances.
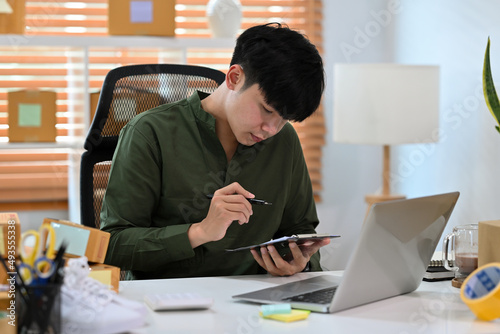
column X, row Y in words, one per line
column 460, row 250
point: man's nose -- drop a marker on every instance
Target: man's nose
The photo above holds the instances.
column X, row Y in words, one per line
column 273, row 126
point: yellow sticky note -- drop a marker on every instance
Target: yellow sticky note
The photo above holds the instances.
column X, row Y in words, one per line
column 295, row 315
column 103, row 276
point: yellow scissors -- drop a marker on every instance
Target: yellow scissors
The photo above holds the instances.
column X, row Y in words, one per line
column 37, row 254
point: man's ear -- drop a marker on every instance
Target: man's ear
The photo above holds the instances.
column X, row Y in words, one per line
column 235, row 77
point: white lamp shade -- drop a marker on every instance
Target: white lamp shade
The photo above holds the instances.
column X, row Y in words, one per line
column 386, row 104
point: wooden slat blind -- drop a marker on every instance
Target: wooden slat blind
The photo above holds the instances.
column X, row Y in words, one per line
column 31, row 178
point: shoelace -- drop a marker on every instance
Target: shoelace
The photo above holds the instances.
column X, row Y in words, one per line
column 85, row 290
column 88, row 296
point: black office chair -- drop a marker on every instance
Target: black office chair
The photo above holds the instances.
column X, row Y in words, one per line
column 126, row 92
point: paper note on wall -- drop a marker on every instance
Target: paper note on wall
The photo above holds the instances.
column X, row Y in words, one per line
column 141, row 11
column 30, row 114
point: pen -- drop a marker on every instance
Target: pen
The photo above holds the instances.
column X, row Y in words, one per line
column 251, row 200
column 59, row 261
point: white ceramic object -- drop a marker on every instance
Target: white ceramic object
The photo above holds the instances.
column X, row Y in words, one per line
column 224, row 17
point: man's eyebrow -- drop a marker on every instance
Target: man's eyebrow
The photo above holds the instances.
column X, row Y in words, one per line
column 281, row 112
column 269, row 108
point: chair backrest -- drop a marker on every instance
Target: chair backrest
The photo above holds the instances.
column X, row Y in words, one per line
column 126, row 92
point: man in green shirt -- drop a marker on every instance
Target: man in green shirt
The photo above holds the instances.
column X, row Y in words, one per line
column 234, row 144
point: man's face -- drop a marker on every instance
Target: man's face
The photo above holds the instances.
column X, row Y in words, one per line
column 251, row 119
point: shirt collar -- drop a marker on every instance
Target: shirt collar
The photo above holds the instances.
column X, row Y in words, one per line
column 195, row 103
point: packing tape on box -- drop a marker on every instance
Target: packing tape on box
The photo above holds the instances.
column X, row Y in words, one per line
column 481, row 291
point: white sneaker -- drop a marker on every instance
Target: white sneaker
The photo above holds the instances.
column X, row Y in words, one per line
column 88, row 306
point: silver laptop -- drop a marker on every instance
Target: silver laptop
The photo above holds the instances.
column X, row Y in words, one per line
column 390, row 258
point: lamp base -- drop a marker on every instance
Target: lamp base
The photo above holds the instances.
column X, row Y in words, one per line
column 377, row 198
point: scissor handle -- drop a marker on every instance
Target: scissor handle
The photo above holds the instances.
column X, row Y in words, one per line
column 29, row 257
column 47, row 232
column 43, row 268
column 26, row 272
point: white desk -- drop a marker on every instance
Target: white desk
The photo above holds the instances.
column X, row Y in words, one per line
column 434, row 308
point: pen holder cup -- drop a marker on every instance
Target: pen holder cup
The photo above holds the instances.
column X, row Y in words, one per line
column 38, row 308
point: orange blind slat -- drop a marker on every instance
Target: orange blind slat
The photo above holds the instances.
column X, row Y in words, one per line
column 33, row 155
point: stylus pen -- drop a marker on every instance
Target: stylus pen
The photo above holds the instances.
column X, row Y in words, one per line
column 251, row 200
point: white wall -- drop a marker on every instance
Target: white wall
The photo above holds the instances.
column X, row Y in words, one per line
column 467, row 158
column 351, row 33
column 32, row 219
column 453, row 35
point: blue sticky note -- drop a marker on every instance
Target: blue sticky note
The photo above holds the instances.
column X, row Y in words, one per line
column 276, row 309
column 141, row 11
column 29, row 114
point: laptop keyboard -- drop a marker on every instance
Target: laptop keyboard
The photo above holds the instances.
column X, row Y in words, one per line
column 323, row 296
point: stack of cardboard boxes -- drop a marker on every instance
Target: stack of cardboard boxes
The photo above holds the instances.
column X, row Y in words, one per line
column 81, row 241
column 89, row 242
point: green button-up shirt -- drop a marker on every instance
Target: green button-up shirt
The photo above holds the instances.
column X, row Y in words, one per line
column 166, row 162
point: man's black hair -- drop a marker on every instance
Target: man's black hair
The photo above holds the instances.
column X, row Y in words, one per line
column 286, row 66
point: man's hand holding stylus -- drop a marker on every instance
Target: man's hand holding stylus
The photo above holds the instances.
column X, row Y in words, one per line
column 228, row 204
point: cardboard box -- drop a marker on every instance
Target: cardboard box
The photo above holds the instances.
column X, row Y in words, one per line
column 3, row 275
column 106, row 274
column 32, row 116
column 141, row 17
column 81, row 240
column 4, row 301
column 488, row 237
column 10, row 235
column 6, row 322
column 13, row 23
